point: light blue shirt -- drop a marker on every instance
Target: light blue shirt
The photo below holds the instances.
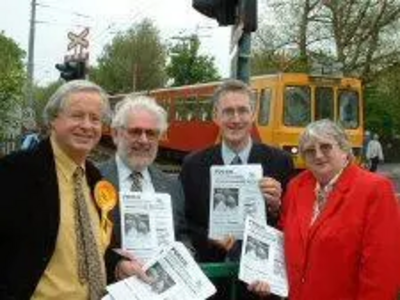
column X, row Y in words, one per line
column 228, row 154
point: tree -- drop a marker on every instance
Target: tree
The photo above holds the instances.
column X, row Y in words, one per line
column 42, row 95
column 134, row 60
column 12, row 80
column 187, row 66
column 361, row 35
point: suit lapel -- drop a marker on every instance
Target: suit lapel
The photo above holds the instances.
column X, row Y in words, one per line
column 157, row 180
column 255, row 154
column 215, row 157
column 111, row 172
column 47, row 182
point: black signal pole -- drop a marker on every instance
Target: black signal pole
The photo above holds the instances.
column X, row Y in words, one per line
column 242, row 14
column 248, row 18
column 243, row 58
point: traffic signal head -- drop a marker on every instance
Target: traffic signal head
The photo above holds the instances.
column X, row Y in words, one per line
column 230, row 12
column 71, row 70
column 224, row 11
column 248, row 15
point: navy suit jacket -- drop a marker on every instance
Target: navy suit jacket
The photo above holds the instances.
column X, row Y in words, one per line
column 163, row 183
column 29, row 218
column 195, row 178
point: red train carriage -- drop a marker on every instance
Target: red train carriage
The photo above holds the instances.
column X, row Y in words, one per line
column 285, row 104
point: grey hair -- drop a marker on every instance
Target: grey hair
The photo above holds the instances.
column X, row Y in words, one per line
column 58, row 100
column 326, row 128
column 133, row 103
column 233, row 86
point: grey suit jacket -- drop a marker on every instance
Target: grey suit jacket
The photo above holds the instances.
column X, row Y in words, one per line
column 163, row 183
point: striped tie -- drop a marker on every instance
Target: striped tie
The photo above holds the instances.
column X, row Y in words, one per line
column 89, row 263
column 136, row 181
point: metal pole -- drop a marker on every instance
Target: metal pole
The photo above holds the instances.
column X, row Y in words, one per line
column 243, row 62
column 31, row 50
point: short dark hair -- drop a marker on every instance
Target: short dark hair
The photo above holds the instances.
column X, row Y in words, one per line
column 234, row 86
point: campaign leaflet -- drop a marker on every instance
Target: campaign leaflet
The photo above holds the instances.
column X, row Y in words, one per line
column 146, row 223
column 234, row 195
column 175, row 276
column 263, row 257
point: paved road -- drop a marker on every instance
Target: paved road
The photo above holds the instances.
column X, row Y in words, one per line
column 391, row 170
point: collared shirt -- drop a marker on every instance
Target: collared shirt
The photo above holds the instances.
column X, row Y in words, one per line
column 322, row 193
column 228, row 154
column 60, row 279
column 125, row 180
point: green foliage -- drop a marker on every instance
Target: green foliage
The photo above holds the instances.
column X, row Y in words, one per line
column 265, row 62
column 383, row 102
column 41, row 96
column 187, row 66
column 361, row 35
column 134, row 60
column 12, row 79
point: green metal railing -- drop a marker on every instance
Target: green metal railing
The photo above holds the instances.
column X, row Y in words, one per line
column 228, row 270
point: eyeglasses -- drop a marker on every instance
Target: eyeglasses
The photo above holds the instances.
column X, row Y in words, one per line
column 324, row 148
column 230, row 112
column 80, row 117
column 136, row 133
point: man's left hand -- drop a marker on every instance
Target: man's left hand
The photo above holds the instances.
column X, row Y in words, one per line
column 261, row 288
column 272, row 192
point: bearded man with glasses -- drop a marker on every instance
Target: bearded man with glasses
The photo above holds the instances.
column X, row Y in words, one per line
column 137, row 126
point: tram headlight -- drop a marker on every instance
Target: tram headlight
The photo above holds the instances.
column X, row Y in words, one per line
column 293, row 150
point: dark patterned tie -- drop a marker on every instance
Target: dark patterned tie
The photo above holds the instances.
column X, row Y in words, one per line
column 236, row 160
column 89, row 262
column 136, row 181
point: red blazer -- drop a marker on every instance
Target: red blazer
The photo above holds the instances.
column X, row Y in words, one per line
column 350, row 251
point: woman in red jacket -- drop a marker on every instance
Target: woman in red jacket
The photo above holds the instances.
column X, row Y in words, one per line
column 341, row 224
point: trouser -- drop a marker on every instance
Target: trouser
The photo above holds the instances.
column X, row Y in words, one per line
column 374, row 164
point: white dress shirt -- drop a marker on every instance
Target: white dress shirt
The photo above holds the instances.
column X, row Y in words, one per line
column 125, row 179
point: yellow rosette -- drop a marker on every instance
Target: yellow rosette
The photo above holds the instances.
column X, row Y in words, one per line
column 106, row 199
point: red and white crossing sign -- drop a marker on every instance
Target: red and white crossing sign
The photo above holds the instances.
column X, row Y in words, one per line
column 78, row 40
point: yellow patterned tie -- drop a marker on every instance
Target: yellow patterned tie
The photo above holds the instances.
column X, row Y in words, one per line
column 89, row 262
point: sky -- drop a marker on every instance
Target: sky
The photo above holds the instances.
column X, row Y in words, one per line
column 55, row 18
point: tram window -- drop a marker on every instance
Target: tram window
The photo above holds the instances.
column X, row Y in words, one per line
column 166, row 105
column 206, row 107
column 179, row 109
column 324, row 103
column 265, row 107
column 348, row 108
column 190, row 109
column 297, row 106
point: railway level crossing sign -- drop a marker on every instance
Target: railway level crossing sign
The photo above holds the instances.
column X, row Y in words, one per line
column 75, row 64
column 78, row 40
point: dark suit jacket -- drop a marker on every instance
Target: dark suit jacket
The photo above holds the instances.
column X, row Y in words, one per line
column 195, row 178
column 29, row 218
column 163, row 183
